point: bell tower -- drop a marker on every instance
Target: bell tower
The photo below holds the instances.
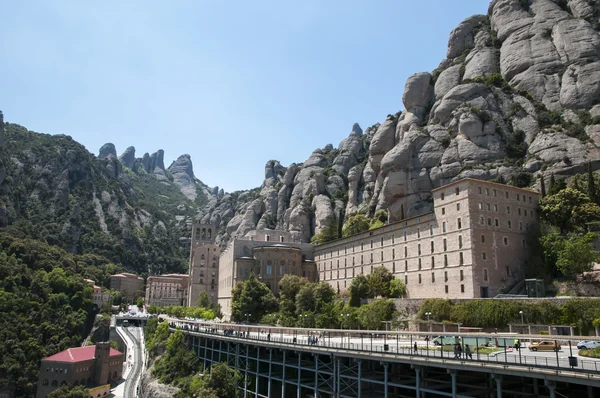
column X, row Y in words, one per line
column 204, row 264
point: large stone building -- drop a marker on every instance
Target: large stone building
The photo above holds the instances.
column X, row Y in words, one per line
column 128, row 284
column 204, row 264
column 473, row 244
column 90, row 366
column 269, row 254
column 167, row 290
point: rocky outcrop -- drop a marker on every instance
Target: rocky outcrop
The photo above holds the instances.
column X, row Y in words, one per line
column 107, row 150
column 127, row 158
column 182, row 171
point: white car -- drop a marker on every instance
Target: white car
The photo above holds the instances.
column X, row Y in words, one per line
column 590, row 345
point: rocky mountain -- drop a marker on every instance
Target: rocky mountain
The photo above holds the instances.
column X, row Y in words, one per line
column 516, row 99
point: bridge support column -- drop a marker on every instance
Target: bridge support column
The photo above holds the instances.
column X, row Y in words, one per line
column 452, row 374
column 385, row 379
column 298, row 395
column 551, row 386
column 359, row 379
column 316, row 389
column 257, row 370
column 417, row 370
column 338, row 383
column 283, row 376
column 498, row 380
column 270, row 367
column 536, row 390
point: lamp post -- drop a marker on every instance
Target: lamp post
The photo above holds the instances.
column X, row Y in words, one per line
column 522, row 321
column 247, row 316
column 347, row 315
column 428, row 321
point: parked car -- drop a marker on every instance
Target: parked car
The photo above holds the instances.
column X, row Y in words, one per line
column 544, row 345
column 589, row 345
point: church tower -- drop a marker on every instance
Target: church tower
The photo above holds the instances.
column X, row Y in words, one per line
column 204, row 264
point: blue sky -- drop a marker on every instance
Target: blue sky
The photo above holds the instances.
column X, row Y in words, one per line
column 232, row 83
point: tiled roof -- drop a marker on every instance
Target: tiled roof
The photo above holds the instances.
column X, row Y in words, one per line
column 78, row 354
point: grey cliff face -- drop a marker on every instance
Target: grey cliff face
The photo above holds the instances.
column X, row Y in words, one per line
column 107, row 150
column 127, row 158
column 182, row 171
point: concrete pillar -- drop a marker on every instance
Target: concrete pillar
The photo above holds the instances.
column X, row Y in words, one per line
column 536, row 390
column 257, row 371
column 359, row 394
column 299, row 373
column 498, row 380
column 246, row 375
column 417, row 380
column 453, row 378
column 270, row 371
column 283, row 376
column 551, row 386
column 590, row 392
column 316, row 389
column 337, row 379
column 385, row 380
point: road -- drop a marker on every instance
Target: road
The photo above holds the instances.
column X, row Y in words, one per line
column 133, row 366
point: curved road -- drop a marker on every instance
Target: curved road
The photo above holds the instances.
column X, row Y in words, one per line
column 135, row 373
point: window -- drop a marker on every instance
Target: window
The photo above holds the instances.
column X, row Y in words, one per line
column 431, row 230
column 459, row 222
column 479, row 190
column 506, row 194
column 393, row 268
column 392, row 239
column 418, row 233
column 482, row 238
column 419, row 278
column 487, row 205
column 461, row 258
column 489, row 221
column 444, row 226
column 405, row 236
column 520, row 226
column 445, row 260
column 509, row 224
column 481, row 220
column 381, row 242
column 518, row 197
column 480, row 206
column 462, row 275
column 419, row 249
column 405, row 251
column 507, row 209
column 405, row 265
column 361, row 260
column 371, row 257
column 281, row 270
column 381, row 256
column 460, row 243
column 485, row 275
column 393, row 253
column 458, row 206
column 433, row 277
column 371, row 243
column 497, row 222
column 530, row 199
column 523, row 243
column 507, row 270
column 462, row 288
column 267, row 238
column 406, row 279
column 446, row 289
column 419, row 264
column 494, row 192
column 442, row 197
column 525, row 212
column 505, row 240
column 432, row 247
column 432, row 262
column 487, row 191
column 484, row 255
column 496, row 208
column 519, row 211
column 443, row 211
column 445, row 276
column 445, row 245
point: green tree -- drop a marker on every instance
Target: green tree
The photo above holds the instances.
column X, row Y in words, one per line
column 379, row 219
column 577, row 255
column 254, row 298
column 558, row 208
column 371, row 316
column 359, row 289
column 379, row 282
column 204, row 301
column 327, row 234
column 140, row 303
column 355, row 224
column 289, row 286
column 177, row 362
column 69, row 392
column 397, row 288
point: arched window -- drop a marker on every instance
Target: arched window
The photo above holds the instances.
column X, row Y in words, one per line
column 45, row 382
column 197, row 233
column 64, row 383
column 76, row 383
column 54, row 383
column 209, row 233
column 202, row 257
column 203, row 233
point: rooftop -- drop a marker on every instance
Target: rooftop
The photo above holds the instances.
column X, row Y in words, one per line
column 78, row 354
column 528, row 190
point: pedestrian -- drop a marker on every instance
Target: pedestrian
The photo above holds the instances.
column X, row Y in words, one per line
column 416, row 349
column 468, row 352
column 517, row 344
column 269, row 336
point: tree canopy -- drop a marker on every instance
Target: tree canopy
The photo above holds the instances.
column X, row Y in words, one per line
column 251, row 300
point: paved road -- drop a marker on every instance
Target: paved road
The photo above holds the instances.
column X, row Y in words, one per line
column 131, row 384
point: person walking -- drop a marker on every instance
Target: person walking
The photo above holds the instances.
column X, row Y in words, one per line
column 416, row 348
column 468, row 352
column 517, row 344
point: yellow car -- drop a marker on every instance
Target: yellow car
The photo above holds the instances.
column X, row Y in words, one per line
column 545, row 345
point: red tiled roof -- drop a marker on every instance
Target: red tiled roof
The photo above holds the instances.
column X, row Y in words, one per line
column 78, row 354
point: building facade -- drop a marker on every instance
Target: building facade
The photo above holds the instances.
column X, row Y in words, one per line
column 128, row 284
column 90, row 366
column 204, row 264
column 269, row 254
column 167, row 290
column 473, row 244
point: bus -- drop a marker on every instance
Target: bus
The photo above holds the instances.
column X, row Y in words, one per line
column 125, row 323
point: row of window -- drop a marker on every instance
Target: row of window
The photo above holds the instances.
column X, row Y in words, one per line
column 496, row 223
column 496, row 193
column 520, row 211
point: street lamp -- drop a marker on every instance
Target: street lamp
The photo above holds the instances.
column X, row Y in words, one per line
column 522, row 321
column 247, row 316
column 428, row 321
